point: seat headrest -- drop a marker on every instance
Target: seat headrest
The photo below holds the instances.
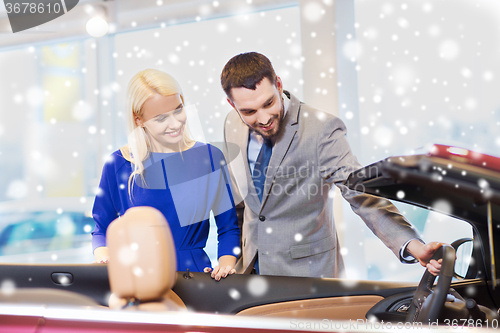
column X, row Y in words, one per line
column 142, row 261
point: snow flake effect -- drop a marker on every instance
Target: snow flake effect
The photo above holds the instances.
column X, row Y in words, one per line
column 257, row 286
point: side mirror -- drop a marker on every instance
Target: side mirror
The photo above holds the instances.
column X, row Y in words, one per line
column 463, row 248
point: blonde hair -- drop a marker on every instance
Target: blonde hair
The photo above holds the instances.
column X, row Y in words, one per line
column 143, row 86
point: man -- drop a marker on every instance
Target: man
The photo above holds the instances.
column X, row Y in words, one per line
column 293, row 154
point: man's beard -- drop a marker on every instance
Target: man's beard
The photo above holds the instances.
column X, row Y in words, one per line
column 277, row 126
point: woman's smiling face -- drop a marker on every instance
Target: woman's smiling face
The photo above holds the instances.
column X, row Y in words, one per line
column 164, row 119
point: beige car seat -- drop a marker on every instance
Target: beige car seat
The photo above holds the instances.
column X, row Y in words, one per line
column 45, row 296
column 142, row 261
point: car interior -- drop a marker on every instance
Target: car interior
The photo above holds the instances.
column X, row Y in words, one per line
column 164, row 289
column 141, row 273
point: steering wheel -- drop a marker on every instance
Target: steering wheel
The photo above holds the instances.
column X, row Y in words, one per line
column 427, row 303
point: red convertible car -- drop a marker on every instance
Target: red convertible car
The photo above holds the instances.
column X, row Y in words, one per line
column 74, row 298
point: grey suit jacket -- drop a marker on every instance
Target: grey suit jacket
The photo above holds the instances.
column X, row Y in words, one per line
column 292, row 230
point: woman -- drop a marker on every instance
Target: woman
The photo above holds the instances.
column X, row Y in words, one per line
column 164, row 168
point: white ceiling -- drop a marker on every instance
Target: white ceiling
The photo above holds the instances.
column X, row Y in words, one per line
column 126, row 15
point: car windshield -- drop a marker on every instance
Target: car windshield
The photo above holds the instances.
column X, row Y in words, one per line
column 431, row 226
column 367, row 258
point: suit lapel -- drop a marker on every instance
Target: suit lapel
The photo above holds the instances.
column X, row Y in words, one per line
column 241, row 138
column 282, row 144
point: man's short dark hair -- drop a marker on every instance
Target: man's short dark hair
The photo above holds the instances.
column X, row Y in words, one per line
column 246, row 70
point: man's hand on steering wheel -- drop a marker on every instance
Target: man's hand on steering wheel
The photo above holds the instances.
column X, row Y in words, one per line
column 424, row 252
column 428, row 300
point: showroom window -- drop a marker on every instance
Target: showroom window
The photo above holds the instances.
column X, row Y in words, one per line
column 66, row 101
column 424, row 74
